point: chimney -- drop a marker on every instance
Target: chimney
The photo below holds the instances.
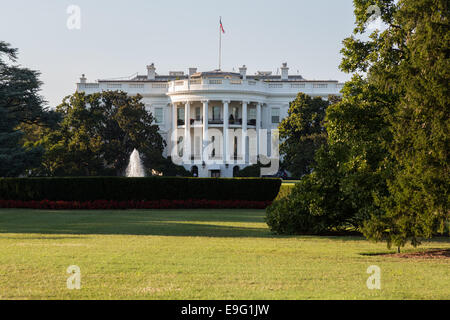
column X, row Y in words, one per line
column 83, row 79
column 285, row 72
column 151, row 72
column 243, row 72
column 192, row 71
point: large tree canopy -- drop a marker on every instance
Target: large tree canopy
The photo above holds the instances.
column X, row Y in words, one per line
column 406, row 118
column 385, row 167
column 413, row 62
column 97, row 134
column 20, row 104
column 302, row 133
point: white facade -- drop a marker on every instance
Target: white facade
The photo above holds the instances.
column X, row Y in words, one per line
column 235, row 105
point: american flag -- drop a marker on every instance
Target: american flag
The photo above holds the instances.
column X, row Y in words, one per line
column 221, row 26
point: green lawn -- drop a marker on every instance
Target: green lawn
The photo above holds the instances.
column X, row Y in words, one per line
column 198, row 254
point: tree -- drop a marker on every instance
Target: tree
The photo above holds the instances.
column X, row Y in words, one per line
column 384, row 168
column 98, row 133
column 408, row 62
column 418, row 203
column 20, row 104
column 14, row 159
column 359, row 132
column 302, row 133
column 168, row 168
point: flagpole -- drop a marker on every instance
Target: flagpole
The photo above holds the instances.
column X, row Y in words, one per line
column 220, row 45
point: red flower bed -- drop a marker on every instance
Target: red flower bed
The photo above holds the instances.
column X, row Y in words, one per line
column 123, row 205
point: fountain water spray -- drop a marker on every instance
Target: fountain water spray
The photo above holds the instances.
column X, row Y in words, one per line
column 135, row 167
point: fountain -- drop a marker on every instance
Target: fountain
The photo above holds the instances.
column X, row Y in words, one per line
column 135, row 167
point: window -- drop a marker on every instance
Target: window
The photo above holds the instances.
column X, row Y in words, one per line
column 180, row 116
column 215, row 173
column 236, row 113
column 197, row 114
column 234, row 116
column 159, row 115
column 216, row 113
column 236, row 171
column 180, row 113
column 252, row 113
column 275, row 115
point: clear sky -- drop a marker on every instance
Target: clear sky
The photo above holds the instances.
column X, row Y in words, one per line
column 119, row 38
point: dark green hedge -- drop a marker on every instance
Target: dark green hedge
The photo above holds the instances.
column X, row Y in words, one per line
column 123, row 189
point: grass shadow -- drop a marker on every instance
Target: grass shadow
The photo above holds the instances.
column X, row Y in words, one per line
column 195, row 223
column 411, row 252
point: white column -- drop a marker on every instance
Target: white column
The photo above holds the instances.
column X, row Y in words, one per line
column 244, row 130
column 226, row 115
column 205, row 127
column 258, row 127
column 174, row 127
column 187, row 132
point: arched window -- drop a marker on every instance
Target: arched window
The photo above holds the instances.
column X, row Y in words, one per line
column 236, row 171
column 194, row 171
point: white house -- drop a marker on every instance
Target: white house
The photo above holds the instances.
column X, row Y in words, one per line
column 223, row 119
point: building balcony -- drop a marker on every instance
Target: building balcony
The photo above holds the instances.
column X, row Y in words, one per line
column 217, row 123
column 233, row 85
column 216, row 85
column 133, row 87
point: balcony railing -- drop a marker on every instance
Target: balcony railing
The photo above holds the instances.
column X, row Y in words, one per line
column 235, row 122
column 315, row 87
column 238, row 122
column 196, row 122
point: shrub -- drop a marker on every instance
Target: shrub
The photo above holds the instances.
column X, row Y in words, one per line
column 285, row 191
column 295, row 213
column 250, row 171
column 137, row 189
column 169, row 169
column 284, row 218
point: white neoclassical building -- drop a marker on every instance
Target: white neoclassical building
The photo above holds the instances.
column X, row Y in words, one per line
column 217, row 122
